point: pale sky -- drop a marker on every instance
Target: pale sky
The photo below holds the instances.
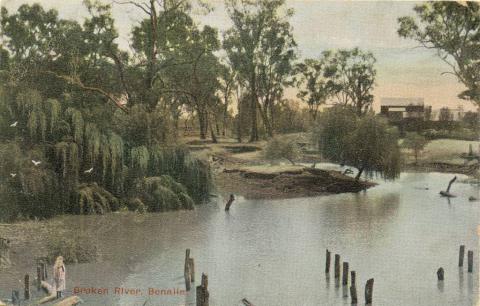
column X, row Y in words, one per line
column 403, row 68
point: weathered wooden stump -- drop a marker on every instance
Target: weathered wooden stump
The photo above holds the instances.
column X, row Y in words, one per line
column 43, row 269
column 461, row 254
column 229, row 203
column 191, row 264
column 447, row 193
column 39, row 277
column 440, row 274
column 327, row 262
column 202, row 292
column 4, row 252
column 345, row 274
column 247, row 302
column 353, row 288
column 369, row 292
column 27, row 287
column 186, row 270
column 337, row 266
column 470, row 261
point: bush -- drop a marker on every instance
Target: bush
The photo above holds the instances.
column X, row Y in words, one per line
column 75, row 248
column 459, row 133
column 282, row 147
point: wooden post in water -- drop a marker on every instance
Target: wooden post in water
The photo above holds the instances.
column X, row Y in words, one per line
column 186, row 270
column 440, row 274
column 470, row 261
column 191, row 264
column 39, row 277
column 461, row 254
column 345, row 274
column 43, row 271
column 337, row 266
column 202, row 292
column 369, row 292
column 327, row 262
column 4, row 252
column 353, row 288
column 27, row 287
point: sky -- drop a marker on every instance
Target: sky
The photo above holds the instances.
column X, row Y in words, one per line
column 403, row 68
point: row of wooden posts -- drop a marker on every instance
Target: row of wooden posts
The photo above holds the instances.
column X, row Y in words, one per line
column 202, row 293
column 353, row 288
column 461, row 256
column 41, row 276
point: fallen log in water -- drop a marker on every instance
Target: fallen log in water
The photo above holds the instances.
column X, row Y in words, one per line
column 447, row 193
column 246, row 302
column 70, row 301
column 52, row 295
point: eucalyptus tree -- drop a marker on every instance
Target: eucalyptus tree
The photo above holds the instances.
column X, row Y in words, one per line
column 312, row 84
column 351, row 77
column 453, row 30
column 261, row 48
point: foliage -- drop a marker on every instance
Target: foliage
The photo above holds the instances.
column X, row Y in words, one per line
column 367, row 143
column 452, row 29
column 282, row 147
column 351, row 77
column 74, row 247
column 314, row 88
column 458, row 133
column 414, row 142
column 261, row 49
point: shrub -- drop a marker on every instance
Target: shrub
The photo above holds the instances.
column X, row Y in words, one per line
column 282, row 147
column 75, row 248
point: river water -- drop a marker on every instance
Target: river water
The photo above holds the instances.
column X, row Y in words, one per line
column 272, row 252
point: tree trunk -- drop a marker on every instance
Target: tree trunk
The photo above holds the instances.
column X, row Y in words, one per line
column 359, row 174
column 203, row 125
column 253, row 108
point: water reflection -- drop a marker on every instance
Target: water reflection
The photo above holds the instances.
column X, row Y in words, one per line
column 272, row 252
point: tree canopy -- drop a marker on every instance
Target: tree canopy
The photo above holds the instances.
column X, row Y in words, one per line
column 453, row 30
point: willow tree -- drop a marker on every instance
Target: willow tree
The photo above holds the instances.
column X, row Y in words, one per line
column 367, row 143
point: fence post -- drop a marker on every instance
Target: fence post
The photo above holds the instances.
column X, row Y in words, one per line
column 353, row 288
column 369, row 292
column 345, row 274
column 327, row 262
column 461, row 254
column 470, row 261
column 27, row 287
column 337, row 266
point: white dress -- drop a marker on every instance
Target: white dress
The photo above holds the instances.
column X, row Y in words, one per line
column 59, row 278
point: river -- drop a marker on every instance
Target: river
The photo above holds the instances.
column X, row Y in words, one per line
column 272, row 252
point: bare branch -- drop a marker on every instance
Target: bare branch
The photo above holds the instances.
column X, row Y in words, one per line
column 141, row 6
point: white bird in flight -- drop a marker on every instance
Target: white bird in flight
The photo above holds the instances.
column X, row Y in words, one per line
column 36, row 163
column 88, row 171
column 13, row 174
column 14, row 124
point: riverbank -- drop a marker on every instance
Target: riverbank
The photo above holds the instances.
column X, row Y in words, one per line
column 259, row 182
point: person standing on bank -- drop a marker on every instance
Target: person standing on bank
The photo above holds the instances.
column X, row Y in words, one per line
column 59, row 276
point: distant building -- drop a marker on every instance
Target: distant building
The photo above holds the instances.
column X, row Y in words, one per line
column 399, row 109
